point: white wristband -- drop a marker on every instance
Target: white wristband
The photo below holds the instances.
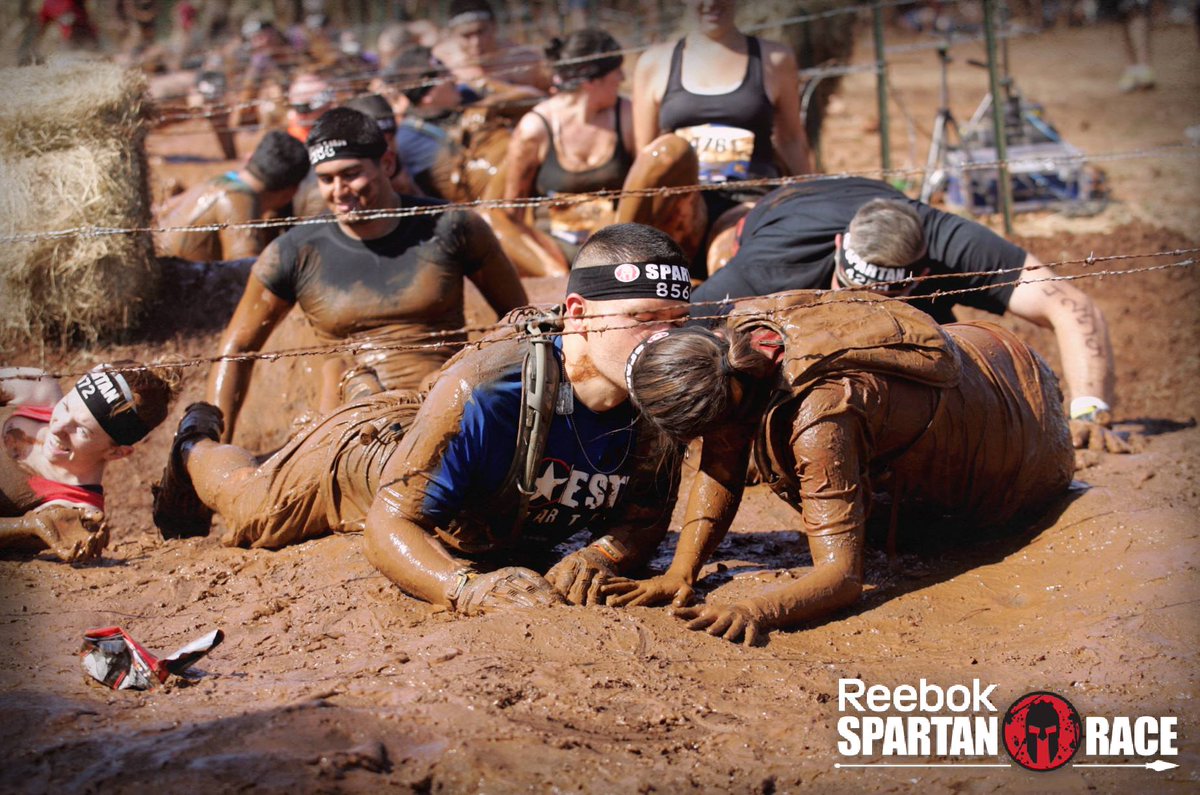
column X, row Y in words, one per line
column 1085, row 404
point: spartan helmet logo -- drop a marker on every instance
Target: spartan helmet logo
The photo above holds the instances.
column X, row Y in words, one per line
column 1041, row 725
column 1042, row 731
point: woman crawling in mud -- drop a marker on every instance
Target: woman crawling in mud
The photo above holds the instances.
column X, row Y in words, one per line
column 56, row 448
column 843, row 395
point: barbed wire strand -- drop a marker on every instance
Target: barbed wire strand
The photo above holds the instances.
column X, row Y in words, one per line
column 442, row 339
column 1171, row 150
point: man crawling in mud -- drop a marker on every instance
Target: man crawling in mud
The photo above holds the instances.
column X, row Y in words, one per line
column 56, row 448
column 455, row 511
column 377, row 281
column 844, row 395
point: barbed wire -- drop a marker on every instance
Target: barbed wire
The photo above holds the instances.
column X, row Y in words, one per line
column 451, row 338
column 86, row 232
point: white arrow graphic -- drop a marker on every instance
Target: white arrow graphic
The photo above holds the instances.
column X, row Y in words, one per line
column 1158, row 765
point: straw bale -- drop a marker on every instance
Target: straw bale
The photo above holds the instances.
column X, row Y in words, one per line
column 76, row 285
column 70, row 101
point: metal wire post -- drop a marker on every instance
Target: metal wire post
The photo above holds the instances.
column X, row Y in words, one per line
column 1003, row 184
column 885, row 143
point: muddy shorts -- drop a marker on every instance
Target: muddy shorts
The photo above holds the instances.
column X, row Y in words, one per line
column 324, row 479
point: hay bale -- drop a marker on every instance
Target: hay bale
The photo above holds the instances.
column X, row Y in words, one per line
column 72, row 155
column 71, row 101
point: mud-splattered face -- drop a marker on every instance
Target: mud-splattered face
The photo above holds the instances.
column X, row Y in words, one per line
column 351, row 184
column 614, row 328
column 74, row 440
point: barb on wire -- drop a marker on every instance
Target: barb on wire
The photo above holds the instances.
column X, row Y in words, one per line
column 717, row 309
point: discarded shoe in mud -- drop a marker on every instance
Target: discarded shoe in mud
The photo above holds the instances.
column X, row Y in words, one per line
column 115, row 660
column 178, row 511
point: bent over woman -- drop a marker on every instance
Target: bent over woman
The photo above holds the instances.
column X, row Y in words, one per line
column 844, row 395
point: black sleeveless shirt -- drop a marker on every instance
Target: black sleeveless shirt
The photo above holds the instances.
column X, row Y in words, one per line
column 747, row 107
column 552, row 178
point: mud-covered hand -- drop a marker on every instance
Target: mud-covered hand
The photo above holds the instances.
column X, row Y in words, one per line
column 733, row 622
column 73, row 535
column 5, row 395
column 1091, row 429
column 580, row 575
column 623, row 592
column 509, row 587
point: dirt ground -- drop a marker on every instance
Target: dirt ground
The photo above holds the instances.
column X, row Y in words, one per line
column 332, row 680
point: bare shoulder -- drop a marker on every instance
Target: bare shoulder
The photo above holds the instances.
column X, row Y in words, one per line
column 656, row 57
column 777, row 54
column 531, row 127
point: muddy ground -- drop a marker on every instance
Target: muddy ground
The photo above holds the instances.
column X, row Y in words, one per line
column 332, row 680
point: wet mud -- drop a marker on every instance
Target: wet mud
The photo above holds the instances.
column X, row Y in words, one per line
column 331, row 680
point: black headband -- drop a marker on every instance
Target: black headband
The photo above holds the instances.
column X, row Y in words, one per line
column 340, row 149
column 110, row 400
column 631, row 280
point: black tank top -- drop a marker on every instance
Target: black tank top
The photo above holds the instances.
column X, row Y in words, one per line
column 746, row 107
column 553, row 178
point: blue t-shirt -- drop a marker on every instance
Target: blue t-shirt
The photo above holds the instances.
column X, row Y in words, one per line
column 588, row 461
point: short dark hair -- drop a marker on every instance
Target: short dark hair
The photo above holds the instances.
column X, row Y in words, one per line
column 411, row 67
column 460, row 7
column 356, row 129
column 377, row 108
column 583, row 44
column 636, row 243
column 279, row 161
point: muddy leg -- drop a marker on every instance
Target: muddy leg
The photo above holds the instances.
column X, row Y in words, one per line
column 668, row 161
column 220, row 474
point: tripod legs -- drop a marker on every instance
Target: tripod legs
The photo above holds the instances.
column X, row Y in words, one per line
column 945, row 137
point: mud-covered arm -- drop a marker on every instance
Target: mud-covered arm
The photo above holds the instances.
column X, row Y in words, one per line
column 1078, row 325
column 258, row 313
column 713, row 500
column 239, row 242
column 832, row 459
column 404, row 551
column 400, row 537
column 495, row 275
column 789, row 138
column 832, row 462
column 73, row 533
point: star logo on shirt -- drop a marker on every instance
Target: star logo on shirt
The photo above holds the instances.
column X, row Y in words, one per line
column 545, row 485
